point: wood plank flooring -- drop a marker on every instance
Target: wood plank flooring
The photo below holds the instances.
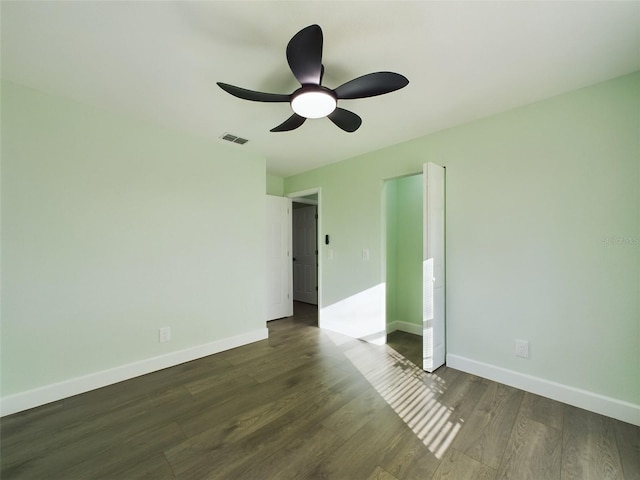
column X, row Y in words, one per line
column 312, row 404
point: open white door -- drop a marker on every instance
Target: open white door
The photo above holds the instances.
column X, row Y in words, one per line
column 278, row 250
column 433, row 281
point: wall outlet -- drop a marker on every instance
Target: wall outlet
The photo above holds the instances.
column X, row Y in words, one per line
column 522, row 348
column 164, row 334
column 365, row 254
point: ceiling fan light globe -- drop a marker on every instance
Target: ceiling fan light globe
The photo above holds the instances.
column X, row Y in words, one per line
column 313, row 103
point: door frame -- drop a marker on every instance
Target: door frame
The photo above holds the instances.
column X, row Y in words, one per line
column 304, row 193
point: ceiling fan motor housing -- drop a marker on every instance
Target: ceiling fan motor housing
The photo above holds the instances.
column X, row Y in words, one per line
column 313, row 101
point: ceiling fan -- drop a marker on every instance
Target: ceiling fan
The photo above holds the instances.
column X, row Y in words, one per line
column 312, row 100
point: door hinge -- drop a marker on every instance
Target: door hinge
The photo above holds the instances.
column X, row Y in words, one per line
column 316, row 216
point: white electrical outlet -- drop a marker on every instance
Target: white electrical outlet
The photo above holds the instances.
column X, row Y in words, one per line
column 522, row 348
column 164, row 334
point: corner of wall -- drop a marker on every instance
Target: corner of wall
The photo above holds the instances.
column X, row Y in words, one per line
column 275, row 185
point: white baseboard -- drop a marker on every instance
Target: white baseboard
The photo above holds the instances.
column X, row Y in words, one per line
column 594, row 402
column 404, row 327
column 58, row 391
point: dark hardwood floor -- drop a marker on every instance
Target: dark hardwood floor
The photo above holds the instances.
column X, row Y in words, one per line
column 312, row 404
column 407, row 345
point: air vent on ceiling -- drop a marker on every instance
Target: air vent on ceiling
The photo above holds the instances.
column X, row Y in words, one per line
column 232, row 138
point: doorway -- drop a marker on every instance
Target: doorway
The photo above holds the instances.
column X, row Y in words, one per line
column 306, row 254
column 404, row 238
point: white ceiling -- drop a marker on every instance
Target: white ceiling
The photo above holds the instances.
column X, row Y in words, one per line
column 159, row 61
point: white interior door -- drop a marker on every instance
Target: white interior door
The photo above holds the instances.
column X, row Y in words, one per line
column 305, row 254
column 279, row 273
column 433, row 269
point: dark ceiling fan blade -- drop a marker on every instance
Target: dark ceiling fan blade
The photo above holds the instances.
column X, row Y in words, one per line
column 346, row 120
column 291, row 123
column 253, row 95
column 304, row 54
column 371, row 85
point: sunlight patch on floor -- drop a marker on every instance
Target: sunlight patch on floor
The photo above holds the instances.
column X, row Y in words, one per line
column 413, row 394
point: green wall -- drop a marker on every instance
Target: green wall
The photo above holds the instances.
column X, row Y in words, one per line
column 543, row 236
column 275, row 185
column 113, row 228
column 404, row 249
